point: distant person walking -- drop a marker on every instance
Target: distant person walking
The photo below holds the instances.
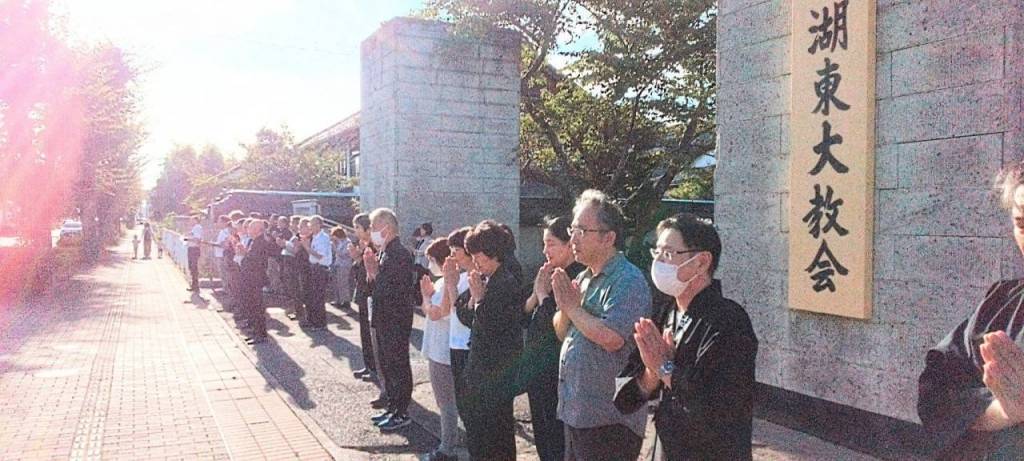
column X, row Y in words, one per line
column 147, row 241
column 194, row 239
column 135, row 246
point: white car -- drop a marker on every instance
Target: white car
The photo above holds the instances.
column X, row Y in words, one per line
column 71, row 228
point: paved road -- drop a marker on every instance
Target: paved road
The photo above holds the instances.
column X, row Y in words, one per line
column 122, row 363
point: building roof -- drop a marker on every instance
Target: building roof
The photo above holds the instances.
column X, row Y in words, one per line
column 347, row 128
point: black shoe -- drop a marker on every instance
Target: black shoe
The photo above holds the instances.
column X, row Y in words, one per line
column 395, row 422
column 379, row 419
column 370, row 377
column 292, row 316
column 361, row 372
column 255, row 339
column 380, row 403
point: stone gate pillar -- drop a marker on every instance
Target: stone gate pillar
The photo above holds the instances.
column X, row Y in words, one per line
column 439, row 130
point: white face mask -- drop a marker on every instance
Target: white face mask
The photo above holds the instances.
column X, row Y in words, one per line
column 666, row 280
column 378, row 238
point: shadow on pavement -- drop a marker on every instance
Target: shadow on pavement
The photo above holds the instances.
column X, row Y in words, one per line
column 288, row 374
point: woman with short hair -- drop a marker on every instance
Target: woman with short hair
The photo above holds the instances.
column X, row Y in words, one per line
column 496, row 342
column 437, row 306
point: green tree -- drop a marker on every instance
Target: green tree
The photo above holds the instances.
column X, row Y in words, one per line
column 208, row 178
column 174, row 185
column 41, row 118
column 273, row 162
column 70, row 129
column 694, row 184
column 108, row 186
column 630, row 113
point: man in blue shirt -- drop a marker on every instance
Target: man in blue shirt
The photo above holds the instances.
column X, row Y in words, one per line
column 596, row 316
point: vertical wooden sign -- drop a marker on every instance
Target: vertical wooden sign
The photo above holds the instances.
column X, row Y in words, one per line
column 832, row 132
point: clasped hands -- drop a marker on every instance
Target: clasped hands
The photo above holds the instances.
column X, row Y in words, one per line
column 1004, row 373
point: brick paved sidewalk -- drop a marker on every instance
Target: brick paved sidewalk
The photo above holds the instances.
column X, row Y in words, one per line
column 122, row 363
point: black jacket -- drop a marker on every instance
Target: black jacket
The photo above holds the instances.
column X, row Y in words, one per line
column 707, row 413
column 496, row 338
column 392, row 289
column 951, row 393
column 254, row 265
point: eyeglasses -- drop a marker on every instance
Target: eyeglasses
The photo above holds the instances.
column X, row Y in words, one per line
column 669, row 255
column 579, row 231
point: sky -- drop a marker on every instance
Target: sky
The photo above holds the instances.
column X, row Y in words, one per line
column 215, row 72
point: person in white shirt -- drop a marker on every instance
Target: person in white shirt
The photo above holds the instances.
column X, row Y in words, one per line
column 437, row 306
column 218, row 250
column 318, row 246
column 194, row 238
column 457, row 266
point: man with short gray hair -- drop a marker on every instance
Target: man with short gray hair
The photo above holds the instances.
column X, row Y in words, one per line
column 390, row 275
column 318, row 246
column 596, row 315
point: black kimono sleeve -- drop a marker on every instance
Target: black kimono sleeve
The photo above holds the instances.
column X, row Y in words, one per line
column 722, row 395
column 951, row 394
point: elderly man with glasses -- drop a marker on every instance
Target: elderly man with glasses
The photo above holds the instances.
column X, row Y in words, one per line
column 596, row 315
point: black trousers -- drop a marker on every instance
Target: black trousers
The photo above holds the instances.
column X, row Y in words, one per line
column 393, row 340
column 193, row 266
column 548, row 430
column 365, row 338
column 490, row 424
column 302, row 281
column 252, row 305
column 459, row 358
column 603, row 443
column 316, row 312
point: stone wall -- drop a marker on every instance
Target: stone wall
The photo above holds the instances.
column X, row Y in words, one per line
column 439, row 128
column 949, row 79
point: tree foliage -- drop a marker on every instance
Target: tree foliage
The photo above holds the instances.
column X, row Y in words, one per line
column 272, row 161
column 69, row 130
column 108, row 187
column 631, row 112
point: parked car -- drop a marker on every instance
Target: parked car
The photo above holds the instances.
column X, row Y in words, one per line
column 70, row 231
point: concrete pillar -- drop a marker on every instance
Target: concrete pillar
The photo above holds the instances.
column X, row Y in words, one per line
column 439, row 131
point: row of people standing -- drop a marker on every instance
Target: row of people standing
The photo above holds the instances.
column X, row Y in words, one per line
column 304, row 255
column 596, row 350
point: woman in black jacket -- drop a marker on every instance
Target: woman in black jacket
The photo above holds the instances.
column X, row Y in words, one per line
column 495, row 345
